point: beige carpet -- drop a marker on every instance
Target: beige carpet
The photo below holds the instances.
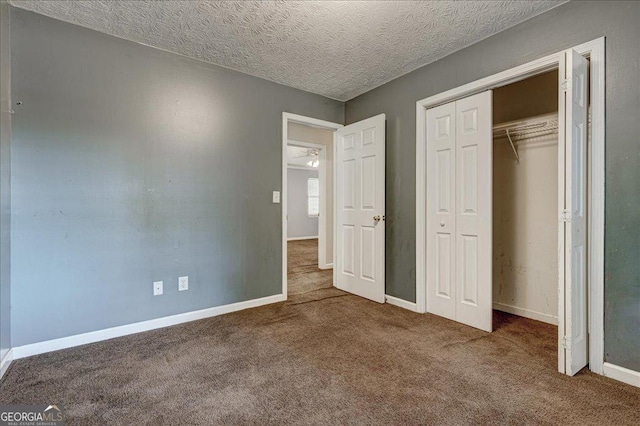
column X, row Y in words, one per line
column 304, row 279
column 323, row 357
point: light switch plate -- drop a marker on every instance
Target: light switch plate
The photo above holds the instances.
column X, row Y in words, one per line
column 276, row 197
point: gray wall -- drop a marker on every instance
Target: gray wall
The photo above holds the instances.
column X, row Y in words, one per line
column 5, row 180
column 560, row 28
column 299, row 224
column 132, row 165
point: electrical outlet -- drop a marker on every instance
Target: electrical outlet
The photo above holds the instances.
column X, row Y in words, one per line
column 157, row 288
column 183, row 283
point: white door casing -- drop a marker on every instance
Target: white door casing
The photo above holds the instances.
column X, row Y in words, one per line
column 459, row 210
column 360, row 198
column 574, row 145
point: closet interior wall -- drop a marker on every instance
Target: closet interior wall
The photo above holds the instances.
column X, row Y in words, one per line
column 525, row 202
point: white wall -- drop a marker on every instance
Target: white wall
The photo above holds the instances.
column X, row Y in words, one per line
column 299, row 223
column 302, row 133
column 525, row 228
column 525, row 213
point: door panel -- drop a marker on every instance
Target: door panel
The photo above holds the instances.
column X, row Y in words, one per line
column 368, row 244
column 469, row 278
column 444, row 265
column 474, row 191
column 360, row 189
column 369, row 183
column 459, row 210
column 441, row 180
column 575, row 145
column 348, row 184
column 348, row 250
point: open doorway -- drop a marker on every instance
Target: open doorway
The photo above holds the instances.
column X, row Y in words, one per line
column 351, row 222
column 525, row 209
column 525, row 202
column 310, row 177
column 308, row 185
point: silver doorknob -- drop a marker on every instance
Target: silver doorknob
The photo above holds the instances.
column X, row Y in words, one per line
column 377, row 218
column 442, row 224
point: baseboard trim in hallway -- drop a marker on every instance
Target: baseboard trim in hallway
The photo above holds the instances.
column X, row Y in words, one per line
column 401, row 303
column 311, row 237
column 621, row 374
column 5, row 362
column 139, row 327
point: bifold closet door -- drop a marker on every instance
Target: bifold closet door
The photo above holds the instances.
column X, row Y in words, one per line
column 574, row 145
column 459, row 210
column 441, row 210
column 474, row 210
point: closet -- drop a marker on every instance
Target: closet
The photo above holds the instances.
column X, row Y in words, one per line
column 505, row 206
column 525, row 198
column 492, row 187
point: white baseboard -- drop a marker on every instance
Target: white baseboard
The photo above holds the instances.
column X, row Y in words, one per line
column 327, row 266
column 5, row 362
column 527, row 313
column 139, row 327
column 622, row 374
column 401, row 303
column 302, row 238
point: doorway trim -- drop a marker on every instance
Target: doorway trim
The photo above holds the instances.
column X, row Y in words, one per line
column 314, row 122
column 595, row 51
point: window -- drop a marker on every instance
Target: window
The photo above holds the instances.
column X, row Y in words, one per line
column 313, row 197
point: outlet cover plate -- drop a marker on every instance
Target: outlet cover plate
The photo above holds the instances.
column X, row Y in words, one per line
column 157, row 288
column 183, row 283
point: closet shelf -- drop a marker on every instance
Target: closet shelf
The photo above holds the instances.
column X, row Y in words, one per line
column 519, row 130
column 526, row 129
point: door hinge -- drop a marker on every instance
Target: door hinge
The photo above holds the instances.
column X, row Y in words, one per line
column 565, row 216
column 565, row 342
column 565, row 85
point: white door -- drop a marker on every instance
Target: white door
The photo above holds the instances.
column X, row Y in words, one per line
column 360, row 199
column 441, row 210
column 474, row 210
column 459, row 210
column 574, row 216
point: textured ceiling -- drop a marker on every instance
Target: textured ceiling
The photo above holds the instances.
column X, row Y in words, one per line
column 336, row 49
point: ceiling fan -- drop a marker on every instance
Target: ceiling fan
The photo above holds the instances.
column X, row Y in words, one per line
column 315, row 157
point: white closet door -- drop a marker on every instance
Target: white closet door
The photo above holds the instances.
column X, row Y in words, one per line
column 474, row 210
column 441, row 211
column 575, row 271
column 360, row 195
column 460, row 210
